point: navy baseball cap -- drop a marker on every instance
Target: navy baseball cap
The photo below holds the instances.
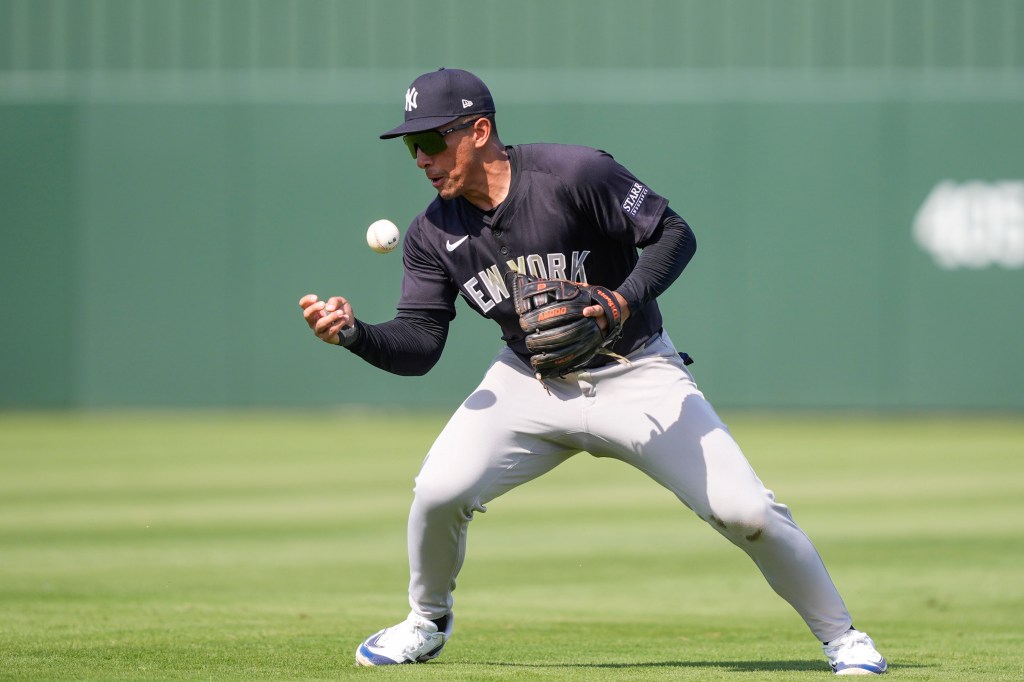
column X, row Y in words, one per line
column 440, row 97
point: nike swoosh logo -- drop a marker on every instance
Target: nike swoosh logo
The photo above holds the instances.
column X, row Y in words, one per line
column 452, row 246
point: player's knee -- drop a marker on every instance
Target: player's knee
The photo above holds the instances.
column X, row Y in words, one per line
column 741, row 522
column 442, row 499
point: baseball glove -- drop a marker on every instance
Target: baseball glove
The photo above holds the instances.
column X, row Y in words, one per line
column 560, row 339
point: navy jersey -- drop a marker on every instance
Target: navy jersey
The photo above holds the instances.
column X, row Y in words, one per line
column 571, row 213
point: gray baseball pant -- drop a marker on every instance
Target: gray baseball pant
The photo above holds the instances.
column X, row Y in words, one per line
column 650, row 415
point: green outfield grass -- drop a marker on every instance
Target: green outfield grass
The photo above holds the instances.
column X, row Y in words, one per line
column 267, row 546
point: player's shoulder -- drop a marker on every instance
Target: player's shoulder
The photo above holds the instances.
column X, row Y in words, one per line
column 440, row 220
column 551, row 155
column 440, row 214
column 570, row 163
column 426, row 221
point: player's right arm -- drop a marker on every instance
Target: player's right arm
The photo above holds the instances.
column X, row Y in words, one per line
column 409, row 345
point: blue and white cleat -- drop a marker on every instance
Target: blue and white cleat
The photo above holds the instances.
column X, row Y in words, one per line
column 854, row 654
column 414, row 640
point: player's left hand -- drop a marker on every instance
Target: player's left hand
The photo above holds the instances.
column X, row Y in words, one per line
column 597, row 312
column 566, row 323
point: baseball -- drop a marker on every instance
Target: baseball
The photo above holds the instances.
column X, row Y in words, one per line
column 383, row 236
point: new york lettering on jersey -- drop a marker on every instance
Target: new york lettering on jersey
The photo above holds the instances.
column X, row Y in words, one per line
column 488, row 287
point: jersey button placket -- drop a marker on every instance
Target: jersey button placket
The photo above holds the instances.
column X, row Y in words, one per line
column 496, row 233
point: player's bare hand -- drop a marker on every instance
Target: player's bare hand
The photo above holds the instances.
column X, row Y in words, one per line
column 597, row 312
column 327, row 318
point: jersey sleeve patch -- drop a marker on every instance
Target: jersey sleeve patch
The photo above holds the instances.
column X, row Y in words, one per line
column 635, row 198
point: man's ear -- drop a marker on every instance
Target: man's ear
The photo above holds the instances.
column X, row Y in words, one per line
column 482, row 132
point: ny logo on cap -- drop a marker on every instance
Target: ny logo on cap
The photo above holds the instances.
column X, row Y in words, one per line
column 410, row 99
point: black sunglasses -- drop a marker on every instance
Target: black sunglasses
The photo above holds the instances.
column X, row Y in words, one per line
column 431, row 141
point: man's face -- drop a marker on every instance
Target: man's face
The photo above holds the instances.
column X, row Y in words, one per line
column 449, row 169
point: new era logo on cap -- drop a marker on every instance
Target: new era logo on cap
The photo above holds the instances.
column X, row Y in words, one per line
column 466, row 103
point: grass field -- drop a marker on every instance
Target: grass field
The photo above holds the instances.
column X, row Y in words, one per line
column 267, row 546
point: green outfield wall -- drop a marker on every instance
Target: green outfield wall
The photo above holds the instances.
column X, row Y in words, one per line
column 176, row 174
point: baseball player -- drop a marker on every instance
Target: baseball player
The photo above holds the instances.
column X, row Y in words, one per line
column 510, row 226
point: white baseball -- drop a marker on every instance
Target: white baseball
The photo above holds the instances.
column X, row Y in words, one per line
column 383, row 236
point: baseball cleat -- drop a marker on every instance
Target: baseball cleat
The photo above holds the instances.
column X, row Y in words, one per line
column 414, row 640
column 854, row 654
